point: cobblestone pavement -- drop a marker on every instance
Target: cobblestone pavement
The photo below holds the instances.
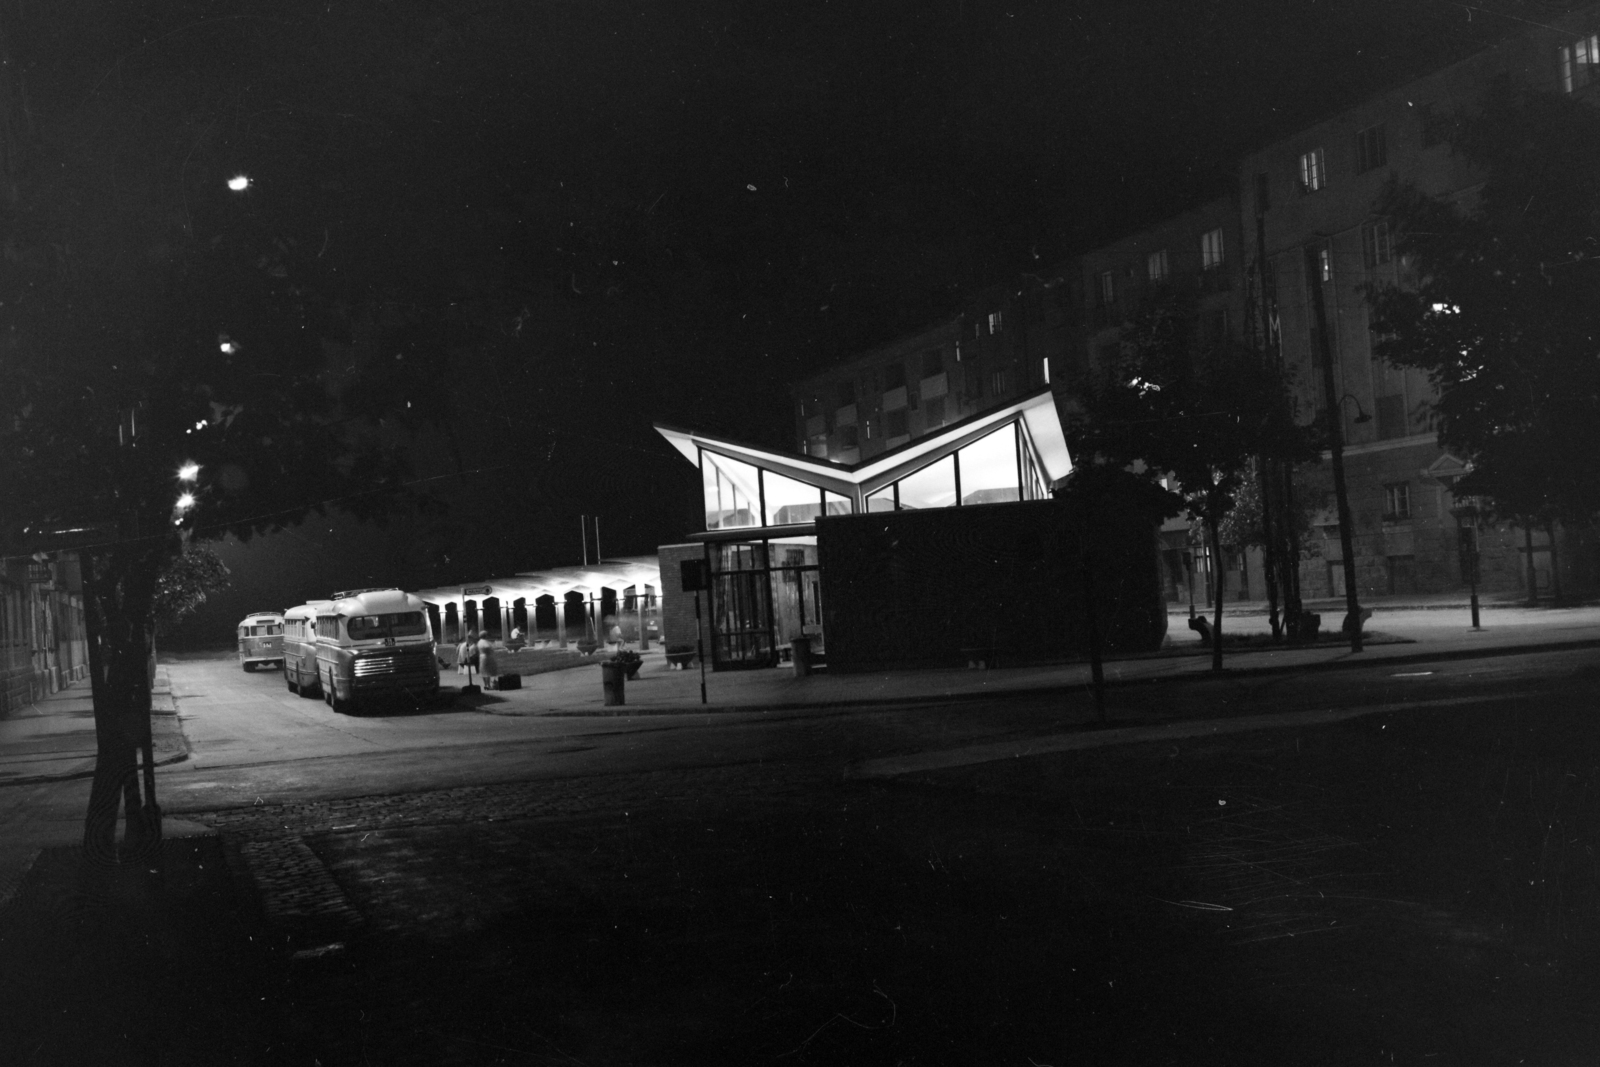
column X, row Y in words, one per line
column 299, row 896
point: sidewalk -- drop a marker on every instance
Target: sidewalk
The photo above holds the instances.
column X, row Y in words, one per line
column 1397, row 634
column 53, row 740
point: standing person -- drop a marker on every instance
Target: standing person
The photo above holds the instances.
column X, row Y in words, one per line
column 485, row 656
column 465, row 650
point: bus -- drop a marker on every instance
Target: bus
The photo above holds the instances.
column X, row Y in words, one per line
column 300, row 648
column 261, row 639
column 375, row 643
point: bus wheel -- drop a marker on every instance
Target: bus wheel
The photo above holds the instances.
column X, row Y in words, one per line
column 288, row 680
column 311, row 689
column 249, row 667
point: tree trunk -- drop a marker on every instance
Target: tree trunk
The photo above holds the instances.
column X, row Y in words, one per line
column 1555, row 568
column 1269, row 545
column 1092, row 621
column 1217, row 575
column 1533, row 573
column 118, row 589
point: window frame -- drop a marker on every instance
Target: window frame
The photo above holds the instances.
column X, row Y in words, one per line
column 1372, row 148
column 1313, row 171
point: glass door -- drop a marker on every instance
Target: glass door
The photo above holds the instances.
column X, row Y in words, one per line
column 741, row 607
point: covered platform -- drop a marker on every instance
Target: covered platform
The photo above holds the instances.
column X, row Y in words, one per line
column 604, row 601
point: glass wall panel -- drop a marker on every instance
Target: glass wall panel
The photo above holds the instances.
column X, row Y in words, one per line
column 989, row 468
column 789, row 501
column 882, row 500
column 838, row 505
column 934, row 486
column 732, row 492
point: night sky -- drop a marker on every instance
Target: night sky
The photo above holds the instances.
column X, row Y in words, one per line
column 595, row 215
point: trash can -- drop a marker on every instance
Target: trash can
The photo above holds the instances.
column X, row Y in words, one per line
column 614, row 677
column 801, row 656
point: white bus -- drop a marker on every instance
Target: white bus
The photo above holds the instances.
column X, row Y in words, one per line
column 300, row 648
column 261, row 639
column 373, row 643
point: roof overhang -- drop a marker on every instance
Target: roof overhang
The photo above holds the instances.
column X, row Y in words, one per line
column 1036, row 411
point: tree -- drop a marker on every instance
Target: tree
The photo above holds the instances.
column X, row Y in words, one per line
column 1495, row 303
column 1194, row 411
column 157, row 319
column 189, row 578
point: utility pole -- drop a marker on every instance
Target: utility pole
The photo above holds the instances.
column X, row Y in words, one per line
column 1271, row 549
column 1335, row 416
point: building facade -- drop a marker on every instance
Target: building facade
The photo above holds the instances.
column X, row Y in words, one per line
column 1313, row 199
column 42, row 644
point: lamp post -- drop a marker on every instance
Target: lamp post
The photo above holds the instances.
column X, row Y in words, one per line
column 1314, row 279
column 1466, row 516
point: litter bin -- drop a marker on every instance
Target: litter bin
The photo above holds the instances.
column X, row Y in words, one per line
column 614, row 676
column 801, row 656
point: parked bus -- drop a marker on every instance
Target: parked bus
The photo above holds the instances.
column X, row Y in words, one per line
column 300, row 648
column 373, row 643
column 261, row 639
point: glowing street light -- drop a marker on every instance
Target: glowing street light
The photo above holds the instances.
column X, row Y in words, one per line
column 225, row 343
column 238, row 183
column 186, row 501
column 189, row 472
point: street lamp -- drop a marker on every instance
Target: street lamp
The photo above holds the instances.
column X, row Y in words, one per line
column 1361, row 412
column 1466, row 515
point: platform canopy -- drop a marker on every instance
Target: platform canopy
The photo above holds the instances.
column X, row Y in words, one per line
column 614, row 574
column 1016, row 452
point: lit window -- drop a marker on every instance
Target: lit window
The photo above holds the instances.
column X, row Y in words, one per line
column 989, row 469
column 995, row 321
column 732, row 491
column 1211, row 249
column 1371, row 150
column 1376, row 249
column 1313, row 171
column 1578, row 61
column 1397, row 501
column 934, row 486
column 788, row 501
column 1156, row 265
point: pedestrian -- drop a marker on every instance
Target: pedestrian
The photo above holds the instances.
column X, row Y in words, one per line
column 485, row 656
column 466, row 652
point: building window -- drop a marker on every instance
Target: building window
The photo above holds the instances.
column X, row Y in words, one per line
column 1156, row 266
column 1313, row 171
column 818, row 446
column 1376, row 249
column 1211, row 249
column 999, row 382
column 1108, row 288
column 894, row 423
column 1371, row 151
column 1578, row 61
column 1044, row 369
column 995, row 321
column 1397, row 501
column 1324, row 259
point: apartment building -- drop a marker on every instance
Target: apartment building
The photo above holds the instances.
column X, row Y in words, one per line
column 1315, row 194
column 1009, row 341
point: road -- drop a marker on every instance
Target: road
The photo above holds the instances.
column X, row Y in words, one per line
column 252, row 740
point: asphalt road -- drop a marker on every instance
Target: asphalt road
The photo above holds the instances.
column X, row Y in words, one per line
column 254, row 741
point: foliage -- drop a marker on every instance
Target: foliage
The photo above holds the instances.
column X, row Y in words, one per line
column 189, row 578
column 1171, row 404
column 1496, row 304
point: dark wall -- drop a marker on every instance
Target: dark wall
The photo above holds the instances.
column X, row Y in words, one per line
column 916, row 588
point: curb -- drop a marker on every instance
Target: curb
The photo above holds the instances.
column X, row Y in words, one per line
column 1349, row 662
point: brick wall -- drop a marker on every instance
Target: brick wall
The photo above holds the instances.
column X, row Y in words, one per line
column 677, row 606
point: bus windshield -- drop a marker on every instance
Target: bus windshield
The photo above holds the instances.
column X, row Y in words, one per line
column 268, row 630
column 394, row 624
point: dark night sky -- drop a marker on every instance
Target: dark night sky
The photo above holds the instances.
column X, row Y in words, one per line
column 601, row 214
